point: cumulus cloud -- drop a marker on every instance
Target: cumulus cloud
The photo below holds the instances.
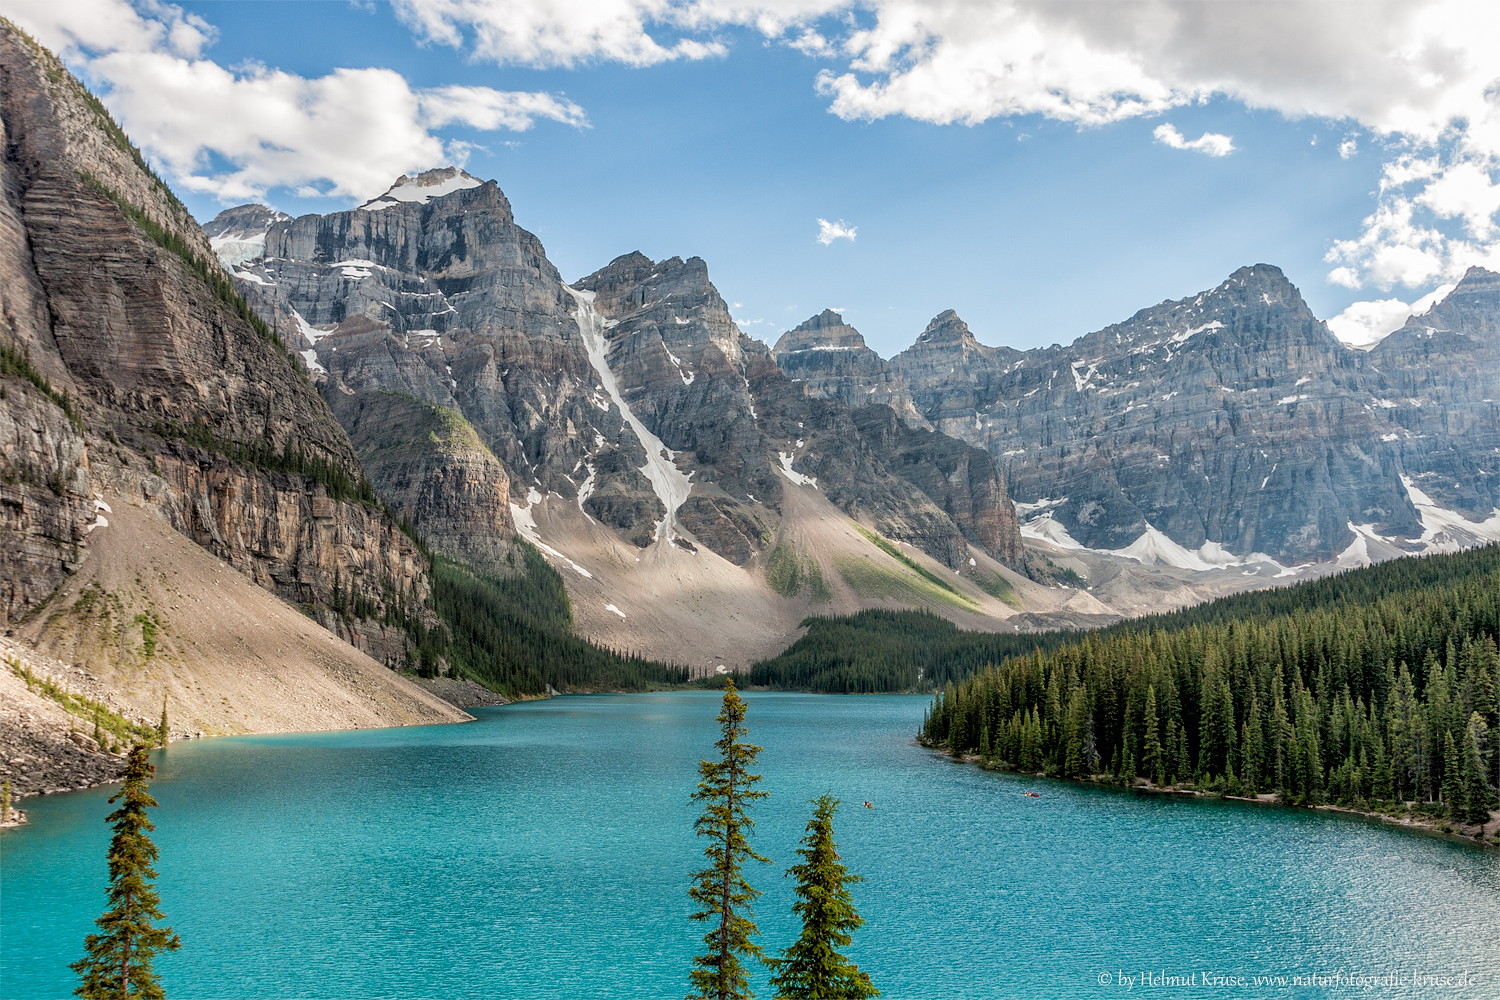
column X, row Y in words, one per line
column 553, row 34
column 1422, row 77
column 1209, row 143
column 1418, row 80
column 1365, row 324
column 830, row 231
column 236, row 133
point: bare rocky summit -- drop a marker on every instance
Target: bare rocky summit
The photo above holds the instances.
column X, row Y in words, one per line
column 831, row 357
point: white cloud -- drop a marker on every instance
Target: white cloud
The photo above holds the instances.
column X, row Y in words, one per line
column 1402, row 242
column 811, row 43
column 830, row 231
column 1209, row 143
column 1365, row 324
column 346, row 134
column 1422, row 76
column 548, row 34
column 1465, row 191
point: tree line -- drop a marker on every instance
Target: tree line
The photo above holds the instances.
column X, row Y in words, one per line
column 916, row 650
column 1374, row 687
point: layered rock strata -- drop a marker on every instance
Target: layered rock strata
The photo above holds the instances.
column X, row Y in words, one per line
column 1229, row 427
column 132, row 369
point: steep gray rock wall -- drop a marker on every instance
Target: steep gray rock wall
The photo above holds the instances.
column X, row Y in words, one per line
column 831, row 358
column 435, row 472
column 128, row 374
column 739, row 423
column 1437, row 381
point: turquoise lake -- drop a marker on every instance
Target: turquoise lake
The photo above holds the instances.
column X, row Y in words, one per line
column 544, row 851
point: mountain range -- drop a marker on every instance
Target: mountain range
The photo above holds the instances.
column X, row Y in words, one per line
column 1227, row 435
column 322, row 409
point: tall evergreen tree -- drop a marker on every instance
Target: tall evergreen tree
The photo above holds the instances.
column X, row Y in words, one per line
column 162, row 732
column 1151, row 752
column 118, row 963
column 1476, row 789
column 811, row 967
column 1453, row 784
column 1182, row 766
column 1252, row 750
column 726, row 787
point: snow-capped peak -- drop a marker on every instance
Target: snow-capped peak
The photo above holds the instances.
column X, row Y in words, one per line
column 419, row 189
column 238, row 235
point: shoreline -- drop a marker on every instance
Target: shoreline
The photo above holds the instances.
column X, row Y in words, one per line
column 1487, row 836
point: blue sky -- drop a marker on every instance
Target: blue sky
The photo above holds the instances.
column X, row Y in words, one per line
column 1037, row 226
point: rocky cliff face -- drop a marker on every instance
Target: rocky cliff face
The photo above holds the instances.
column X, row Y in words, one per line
column 631, row 394
column 1436, row 383
column 132, row 371
column 1230, row 427
column 435, row 472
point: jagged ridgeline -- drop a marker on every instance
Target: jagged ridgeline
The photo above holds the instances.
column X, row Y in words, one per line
column 1377, row 685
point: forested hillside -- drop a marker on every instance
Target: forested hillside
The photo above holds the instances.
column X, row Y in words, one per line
column 1379, row 685
column 514, row 633
column 911, row 650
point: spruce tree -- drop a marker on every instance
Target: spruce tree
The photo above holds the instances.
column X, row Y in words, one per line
column 811, row 967
column 1182, row 767
column 1452, row 788
column 162, row 732
column 1151, row 753
column 118, row 963
column 1476, row 790
column 727, row 790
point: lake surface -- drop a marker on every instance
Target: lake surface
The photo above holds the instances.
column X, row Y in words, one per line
column 544, row 851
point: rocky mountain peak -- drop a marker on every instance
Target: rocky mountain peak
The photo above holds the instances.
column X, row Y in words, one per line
column 419, row 189
column 1473, row 307
column 627, row 269
column 946, row 328
column 238, row 234
column 946, row 342
column 244, row 220
column 826, row 331
column 822, row 321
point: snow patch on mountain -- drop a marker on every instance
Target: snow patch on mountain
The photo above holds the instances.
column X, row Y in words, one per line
column 526, row 524
column 672, row 487
column 793, row 474
column 1446, row 530
column 422, row 188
